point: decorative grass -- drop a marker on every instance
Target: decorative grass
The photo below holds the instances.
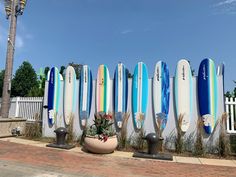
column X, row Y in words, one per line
column 122, row 135
column 198, row 145
column 224, row 144
column 70, row 137
column 138, row 142
column 159, row 130
column 33, row 130
column 179, row 138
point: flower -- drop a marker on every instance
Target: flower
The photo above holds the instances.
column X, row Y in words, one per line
column 108, row 117
column 102, row 126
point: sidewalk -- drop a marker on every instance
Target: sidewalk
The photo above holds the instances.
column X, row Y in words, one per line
column 76, row 162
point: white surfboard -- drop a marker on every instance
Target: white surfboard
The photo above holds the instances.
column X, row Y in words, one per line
column 183, row 93
column 69, row 94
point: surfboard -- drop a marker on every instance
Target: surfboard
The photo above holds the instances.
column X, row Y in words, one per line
column 183, row 93
column 85, row 94
column 161, row 94
column 53, row 95
column 139, row 94
column 69, row 100
column 207, row 94
column 221, row 69
column 103, row 90
column 120, row 93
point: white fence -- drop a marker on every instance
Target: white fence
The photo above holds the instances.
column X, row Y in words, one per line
column 230, row 104
column 26, row 107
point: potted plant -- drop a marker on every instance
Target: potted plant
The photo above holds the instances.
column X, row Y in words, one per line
column 101, row 137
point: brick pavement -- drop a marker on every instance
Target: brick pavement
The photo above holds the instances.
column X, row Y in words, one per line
column 83, row 164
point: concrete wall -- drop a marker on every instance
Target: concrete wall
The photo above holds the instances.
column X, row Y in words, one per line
column 6, row 126
column 170, row 129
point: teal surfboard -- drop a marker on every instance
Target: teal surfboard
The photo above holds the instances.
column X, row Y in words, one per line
column 139, row 94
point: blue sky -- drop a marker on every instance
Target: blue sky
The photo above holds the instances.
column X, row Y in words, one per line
column 56, row 32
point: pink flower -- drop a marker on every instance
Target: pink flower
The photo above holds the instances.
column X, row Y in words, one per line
column 108, row 117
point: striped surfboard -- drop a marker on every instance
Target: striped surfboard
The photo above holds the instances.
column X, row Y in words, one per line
column 85, row 94
column 103, row 90
column 183, row 93
column 207, row 94
column 54, row 79
column 120, row 93
column 161, row 94
column 139, row 94
column 69, row 94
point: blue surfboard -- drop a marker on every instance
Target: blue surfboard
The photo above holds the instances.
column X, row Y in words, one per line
column 53, row 95
column 161, row 94
column 120, row 93
column 85, row 94
column 207, row 94
column 139, row 94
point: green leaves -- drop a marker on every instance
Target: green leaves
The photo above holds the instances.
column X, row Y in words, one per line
column 24, row 80
column 102, row 126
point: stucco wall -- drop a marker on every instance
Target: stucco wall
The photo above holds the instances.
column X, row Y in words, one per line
column 170, row 129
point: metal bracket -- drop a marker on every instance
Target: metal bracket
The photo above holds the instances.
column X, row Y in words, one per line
column 9, row 40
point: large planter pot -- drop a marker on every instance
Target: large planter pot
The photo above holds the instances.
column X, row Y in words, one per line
column 93, row 144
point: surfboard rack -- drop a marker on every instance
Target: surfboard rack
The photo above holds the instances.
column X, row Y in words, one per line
column 153, row 141
column 60, row 139
column 45, row 106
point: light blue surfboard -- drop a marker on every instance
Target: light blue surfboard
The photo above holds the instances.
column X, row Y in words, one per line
column 207, row 94
column 139, row 94
column 120, row 93
column 53, row 95
column 85, row 94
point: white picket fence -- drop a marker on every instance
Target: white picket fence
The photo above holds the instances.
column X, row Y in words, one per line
column 26, row 107
column 230, row 105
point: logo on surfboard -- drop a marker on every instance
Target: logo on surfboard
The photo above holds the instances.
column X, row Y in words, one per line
column 158, row 74
column 204, row 72
column 183, row 73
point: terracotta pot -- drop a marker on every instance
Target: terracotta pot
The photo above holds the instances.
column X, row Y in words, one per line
column 93, row 144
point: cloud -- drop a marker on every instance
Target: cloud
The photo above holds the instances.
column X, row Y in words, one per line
column 126, row 31
column 19, row 42
column 226, row 2
column 226, row 7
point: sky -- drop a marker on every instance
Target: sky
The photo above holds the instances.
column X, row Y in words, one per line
column 93, row 32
